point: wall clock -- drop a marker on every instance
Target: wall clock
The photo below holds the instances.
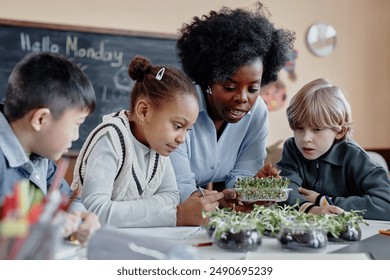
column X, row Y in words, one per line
column 321, row 39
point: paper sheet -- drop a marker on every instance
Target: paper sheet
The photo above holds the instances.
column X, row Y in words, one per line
column 108, row 244
column 174, row 233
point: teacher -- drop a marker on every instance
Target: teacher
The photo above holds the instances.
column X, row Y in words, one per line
column 229, row 54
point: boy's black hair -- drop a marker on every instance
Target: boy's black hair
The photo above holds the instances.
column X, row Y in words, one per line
column 213, row 47
column 47, row 80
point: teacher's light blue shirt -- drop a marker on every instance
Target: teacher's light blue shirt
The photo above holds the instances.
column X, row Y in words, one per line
column 240, row 150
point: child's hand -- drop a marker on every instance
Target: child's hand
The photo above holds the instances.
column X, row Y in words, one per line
column 268, row 171
column 330, row 209
column 189, row 212
column 90, row 223
column 71, row 224
column 81, row 225
column 309, row 195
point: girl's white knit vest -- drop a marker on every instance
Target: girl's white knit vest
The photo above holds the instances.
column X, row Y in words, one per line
column 130, row 183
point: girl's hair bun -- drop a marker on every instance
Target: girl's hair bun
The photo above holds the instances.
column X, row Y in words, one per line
column 138, row 67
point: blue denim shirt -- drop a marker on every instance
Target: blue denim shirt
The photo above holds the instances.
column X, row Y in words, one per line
column 15, row 165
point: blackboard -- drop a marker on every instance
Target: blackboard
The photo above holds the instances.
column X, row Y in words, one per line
column 103, row 54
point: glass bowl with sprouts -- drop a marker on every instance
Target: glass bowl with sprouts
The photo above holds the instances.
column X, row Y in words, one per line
column 250, row 189
column 234, row 231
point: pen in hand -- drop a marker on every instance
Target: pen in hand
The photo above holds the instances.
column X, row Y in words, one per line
column 200, row 191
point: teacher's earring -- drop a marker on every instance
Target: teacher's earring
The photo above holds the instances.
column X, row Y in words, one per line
column 141, row 121
column 208, row 90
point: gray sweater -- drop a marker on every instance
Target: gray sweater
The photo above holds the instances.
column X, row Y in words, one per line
column 124, row 182
column 345, row 173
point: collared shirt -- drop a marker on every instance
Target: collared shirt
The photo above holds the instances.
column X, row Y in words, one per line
column 345, row 173
column 15, row 165
column 240, row 150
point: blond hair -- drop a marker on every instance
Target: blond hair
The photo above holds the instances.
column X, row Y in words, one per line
column 319, row 104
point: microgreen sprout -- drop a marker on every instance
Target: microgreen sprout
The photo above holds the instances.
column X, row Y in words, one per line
column 255, row 189
column 233, row 221
column 271, row 219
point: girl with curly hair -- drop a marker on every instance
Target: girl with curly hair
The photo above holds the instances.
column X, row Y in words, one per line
column 229, row 55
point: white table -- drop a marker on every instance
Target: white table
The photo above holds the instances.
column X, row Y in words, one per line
column 269, row 248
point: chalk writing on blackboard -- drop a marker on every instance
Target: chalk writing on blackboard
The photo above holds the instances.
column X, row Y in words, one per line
column 72, row 49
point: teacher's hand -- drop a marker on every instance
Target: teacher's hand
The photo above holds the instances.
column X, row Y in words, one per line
column 268, row 171
column 231, row 200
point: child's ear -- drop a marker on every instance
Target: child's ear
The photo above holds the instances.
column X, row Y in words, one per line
column 39, row 117
column 341, row 133
column 142, row 108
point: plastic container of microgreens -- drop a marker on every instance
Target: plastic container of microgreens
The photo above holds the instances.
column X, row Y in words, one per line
column 273, row 189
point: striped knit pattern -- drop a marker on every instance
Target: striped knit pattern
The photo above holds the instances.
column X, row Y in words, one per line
column 131, row 182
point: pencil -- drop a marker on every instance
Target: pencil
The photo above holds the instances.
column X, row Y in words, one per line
column 70, row 200
column 60, row 174
column 53, row 198
column 385, row 232
column 203, row 244
column 200, row 191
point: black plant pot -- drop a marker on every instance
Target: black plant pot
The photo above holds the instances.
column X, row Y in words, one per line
column 270, row 233
column 242, row 241
column 351, row 233
column 210, row 230
column 300, row 239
